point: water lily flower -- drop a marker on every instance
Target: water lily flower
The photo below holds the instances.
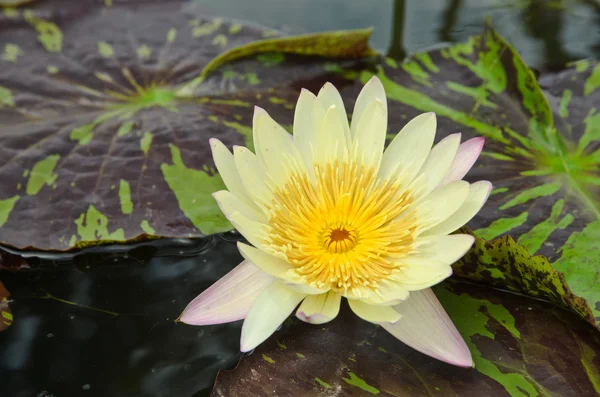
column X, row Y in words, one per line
column 330, row 214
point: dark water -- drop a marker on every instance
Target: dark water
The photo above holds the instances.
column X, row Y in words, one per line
column 102, row 323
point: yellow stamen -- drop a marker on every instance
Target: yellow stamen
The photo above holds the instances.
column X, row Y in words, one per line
column 346, row 230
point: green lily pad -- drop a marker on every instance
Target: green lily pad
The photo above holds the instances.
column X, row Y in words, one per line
column 542, row 149
column 105, row 135
column 521, row 347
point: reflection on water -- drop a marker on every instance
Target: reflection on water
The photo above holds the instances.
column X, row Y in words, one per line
column 102, row 324
column 120, row 339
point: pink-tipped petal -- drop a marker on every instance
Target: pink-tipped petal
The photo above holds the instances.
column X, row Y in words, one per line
column 426, row 327
column 229, row 299
column 467, row 154
column 269, row 310
column 320, row 309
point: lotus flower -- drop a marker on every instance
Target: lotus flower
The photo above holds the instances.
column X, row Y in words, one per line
column 329, row 215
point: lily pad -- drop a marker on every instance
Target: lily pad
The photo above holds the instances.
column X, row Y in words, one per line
column 513, row 355
column 105, row 135
column 542, row 149
column 505, row 264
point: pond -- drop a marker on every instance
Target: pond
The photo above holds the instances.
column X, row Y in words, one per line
column 102, row 322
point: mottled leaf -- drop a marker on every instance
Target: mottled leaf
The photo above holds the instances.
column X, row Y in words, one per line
column 96, row 144
column 505, row 264
column 521, row 347
column 543, row 160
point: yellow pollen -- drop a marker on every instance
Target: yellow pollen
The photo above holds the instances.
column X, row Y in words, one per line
column 346, row 230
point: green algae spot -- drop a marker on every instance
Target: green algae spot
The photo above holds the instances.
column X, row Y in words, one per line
column 244, row 130
column 425, row 59
column 422, row 102
column 534, row 238
column 83, row 134
column 579, row 261
column 582, row 65
column 564, row 103
column 499, row 190
column 268, row 359
column 6, row 97
column 323, row 384
column 49, row 34
column 6, row 207
column 207, row 28
column 93, row 225
column 391, row 62
column 52, row 69
column 147, row 228
column 593, row 81
column 281, row 345
column 125, row 128
column 416, row 72
column 252, row 78
column 42, row 174
column 382, row 349
column 479, row 94
column 145, row 142
column 220, row 40
column 461, row 308
column 10, row 12
column 235, row 28
column 125, row 197
column 11, row 52
column 105, row 49
column 300, row 355
column 547, row 189
column 501, row 226
column 270, row 58
column 171, row 35
column 154, row 96
column 591, row 131
column 72, row 240
column 193, row 190
column 360, row 383
column 144, row 51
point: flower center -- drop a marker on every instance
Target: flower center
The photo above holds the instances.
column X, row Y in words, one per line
column 346, row 229
column 339, row 239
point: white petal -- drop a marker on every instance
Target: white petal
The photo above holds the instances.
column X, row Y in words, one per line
column 330, row 143
column 228, row 203
column 372, row 313
column 390, row 293
column 274, row 147
column 268, row 311
column 407, row 152
column 253, row 174
column 417, row 273
column 478, row 195
column 229, row 299
column 276, row 267
column 441, row 204
column 439, row 161
column 320, row 309
column 369, row 137
column 329, row 95
column 447, row 248
column 426, row 327
column 467, row 154
column 308, row 120
column 372, row 91
column 254, row 232
column 226, row 167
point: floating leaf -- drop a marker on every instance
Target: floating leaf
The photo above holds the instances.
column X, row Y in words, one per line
column 543, row 160
column 96, row 144
column 504, row 264
column 521, row 347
